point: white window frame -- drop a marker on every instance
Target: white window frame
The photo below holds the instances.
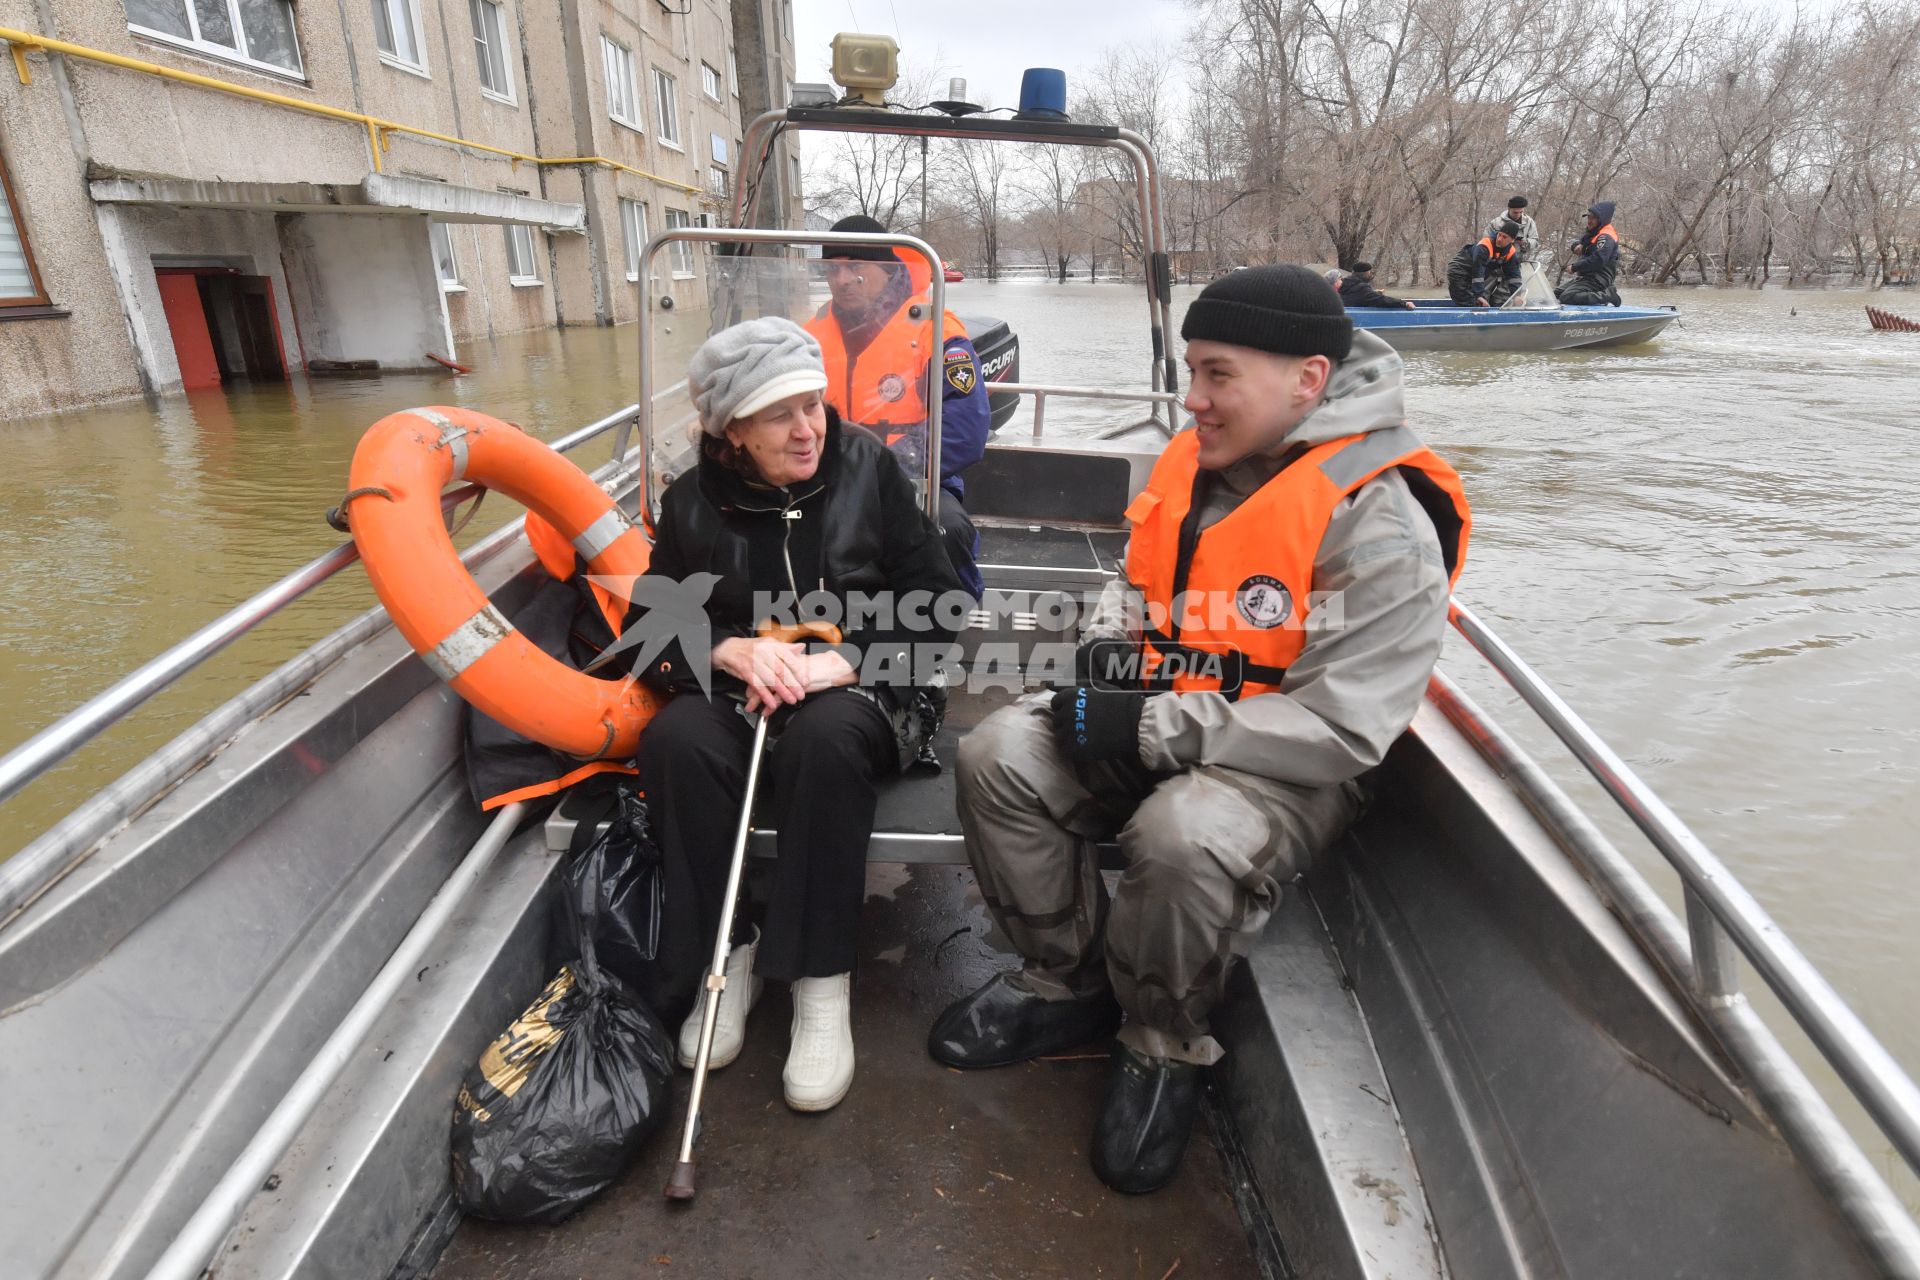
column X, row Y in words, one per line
column 223, row 52
column 633, row 225
column 495, row 41
column 710, row 80
column 410, row 9
column 680, row 252
column 616, row 59
column 666, row 108
column 517, row 233
column 441, row 233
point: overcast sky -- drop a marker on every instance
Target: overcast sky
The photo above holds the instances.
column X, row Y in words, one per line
column 990, row 42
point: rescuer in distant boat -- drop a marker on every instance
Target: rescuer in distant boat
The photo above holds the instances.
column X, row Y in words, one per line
column 1596, row 261
column 1210, row 729
column 875, row 335
column 1528, row 239
column 1357, row 290
column 1492, row 260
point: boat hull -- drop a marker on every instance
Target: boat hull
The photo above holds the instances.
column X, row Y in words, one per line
column 1449, row 328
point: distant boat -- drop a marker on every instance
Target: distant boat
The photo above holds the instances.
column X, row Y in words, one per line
column 1439, row 325
column 955, row 275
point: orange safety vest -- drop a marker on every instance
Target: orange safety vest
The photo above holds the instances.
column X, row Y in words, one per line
column 1231, row 603
column 886, row 385
column 1493, row 251
column 1603, row 231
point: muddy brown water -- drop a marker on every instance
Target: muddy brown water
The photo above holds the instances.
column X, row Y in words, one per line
column 1706, row 543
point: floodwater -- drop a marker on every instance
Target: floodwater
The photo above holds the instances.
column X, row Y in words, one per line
column 1705, row 543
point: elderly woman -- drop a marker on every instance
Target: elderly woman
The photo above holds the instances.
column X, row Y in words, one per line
column 784, row 502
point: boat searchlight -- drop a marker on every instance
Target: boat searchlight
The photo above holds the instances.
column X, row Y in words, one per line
column 866, row 66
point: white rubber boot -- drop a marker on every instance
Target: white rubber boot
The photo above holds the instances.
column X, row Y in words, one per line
column 820, row 1060
column 730, row 1029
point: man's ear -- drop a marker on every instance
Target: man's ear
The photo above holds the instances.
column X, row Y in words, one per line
column 1313, row 376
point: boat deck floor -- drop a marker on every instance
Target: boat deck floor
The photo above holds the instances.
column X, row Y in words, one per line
column 922, row 1171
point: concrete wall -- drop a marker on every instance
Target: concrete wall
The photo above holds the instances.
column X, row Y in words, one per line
column 364, row 288
column 80, row 120
column 139, row 238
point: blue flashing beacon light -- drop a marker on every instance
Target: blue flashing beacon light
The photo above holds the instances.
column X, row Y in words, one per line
column 1043, row 93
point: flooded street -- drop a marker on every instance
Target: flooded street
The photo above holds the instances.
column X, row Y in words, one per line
column 1706, row 544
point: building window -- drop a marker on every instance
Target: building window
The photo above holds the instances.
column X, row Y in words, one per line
column 717, row 182
column 680, row 251
column 623, row 97
column 445, row 261
column 786, row 19
column 490, row 47
column 396, row 31
column 521, row 268
column 710, row 81
column 794, row 161
column 633, row 222
column 667, row 108
column 717, row 148
column 733, row 73
column 259, row 32
column 19, row 278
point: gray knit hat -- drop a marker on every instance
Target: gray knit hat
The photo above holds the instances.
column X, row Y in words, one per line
column 740, row 371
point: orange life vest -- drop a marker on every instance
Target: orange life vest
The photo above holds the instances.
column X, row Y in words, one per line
column 1608, row 231
column 886, row 384
column 1227, row 607
column 1493, row 251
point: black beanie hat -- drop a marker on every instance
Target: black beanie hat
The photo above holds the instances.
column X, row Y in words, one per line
column 1509, row 226
column 1361, row 268
column 1286, row 309
column 1516, row 202
column 862, row 252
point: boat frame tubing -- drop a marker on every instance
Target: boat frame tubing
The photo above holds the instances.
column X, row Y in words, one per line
column 1833, row 1158
column 937, row 302
column 1870, row 1072
column 59, row 849
column 766, row 128
column 188, row 1255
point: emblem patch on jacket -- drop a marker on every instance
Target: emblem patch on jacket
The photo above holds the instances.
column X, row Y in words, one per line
column 1264, row 602
column 960, row 375
column 892, row 387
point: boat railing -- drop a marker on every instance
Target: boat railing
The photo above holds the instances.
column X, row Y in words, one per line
column 41, row 863
column 1723, row 923
column 1040, row 391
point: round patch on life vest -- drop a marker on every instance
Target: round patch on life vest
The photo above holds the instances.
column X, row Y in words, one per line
column 1264, row 602
column 892, row 387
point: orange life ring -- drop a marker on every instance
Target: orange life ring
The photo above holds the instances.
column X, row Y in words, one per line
column 409, row 458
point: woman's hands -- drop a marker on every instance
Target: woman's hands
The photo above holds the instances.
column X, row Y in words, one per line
column 778, row 673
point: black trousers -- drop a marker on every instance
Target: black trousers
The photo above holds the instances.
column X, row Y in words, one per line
column 818, row 792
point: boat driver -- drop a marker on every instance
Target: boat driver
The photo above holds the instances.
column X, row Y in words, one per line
column 1292, row 555
column 1486, row 272
column 875, row 333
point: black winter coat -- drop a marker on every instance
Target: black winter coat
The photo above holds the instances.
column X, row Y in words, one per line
column 855, row 527
column 1358, row 291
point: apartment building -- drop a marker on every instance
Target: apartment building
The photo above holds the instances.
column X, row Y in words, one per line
column 198, row 191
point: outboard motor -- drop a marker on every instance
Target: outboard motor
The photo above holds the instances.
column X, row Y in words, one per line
column 999, row 353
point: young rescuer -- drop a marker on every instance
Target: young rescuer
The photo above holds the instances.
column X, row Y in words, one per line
column 1291, row 557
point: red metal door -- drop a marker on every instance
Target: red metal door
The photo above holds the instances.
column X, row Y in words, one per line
column 187, row 318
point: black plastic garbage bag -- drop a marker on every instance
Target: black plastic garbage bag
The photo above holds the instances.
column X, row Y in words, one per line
column 560, row 1103
column 613, row 878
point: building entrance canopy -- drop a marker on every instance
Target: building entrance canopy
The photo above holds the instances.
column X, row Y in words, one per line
column 377, row 193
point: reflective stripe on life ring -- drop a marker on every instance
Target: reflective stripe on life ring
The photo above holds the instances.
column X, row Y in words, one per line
column 441, row 610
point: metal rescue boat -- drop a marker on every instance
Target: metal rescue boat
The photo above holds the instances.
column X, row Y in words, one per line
column 241, row 984
column 1532, row 321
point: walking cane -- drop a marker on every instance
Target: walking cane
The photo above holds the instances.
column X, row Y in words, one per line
column 680, row 1184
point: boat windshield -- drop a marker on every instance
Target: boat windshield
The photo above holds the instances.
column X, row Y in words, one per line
column 1536, row 289
column 873, row 315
